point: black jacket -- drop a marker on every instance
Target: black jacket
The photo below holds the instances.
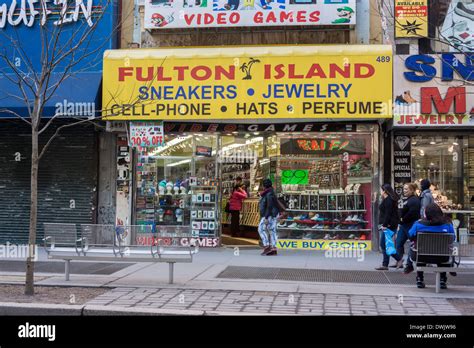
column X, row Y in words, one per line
column 389, row 217
column 410, row 211
column 268, row 205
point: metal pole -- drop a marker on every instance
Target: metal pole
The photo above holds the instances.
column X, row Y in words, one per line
column 171, row 270
column 67, row 269
column 438, row 279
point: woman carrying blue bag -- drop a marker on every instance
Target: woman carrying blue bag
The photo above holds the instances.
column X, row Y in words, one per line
column 389, row 219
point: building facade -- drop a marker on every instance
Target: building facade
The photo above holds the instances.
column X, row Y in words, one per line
column 252, row 91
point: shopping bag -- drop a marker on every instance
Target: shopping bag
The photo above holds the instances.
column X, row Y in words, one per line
column 389, row 244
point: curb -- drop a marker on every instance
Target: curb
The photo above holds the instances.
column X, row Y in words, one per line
column 39, row 309
column 94, row 310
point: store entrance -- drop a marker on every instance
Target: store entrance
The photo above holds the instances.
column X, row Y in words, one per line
column 241, row 159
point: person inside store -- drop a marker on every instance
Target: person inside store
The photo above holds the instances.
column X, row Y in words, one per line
column 235, row 206
column 426, row 197
column 410, row 213
column 268, row 218
column 389, row 219
column 434, row 222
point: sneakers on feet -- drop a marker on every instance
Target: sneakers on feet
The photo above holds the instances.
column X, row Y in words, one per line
column 420, row 284
column 382, row 268
column 408, row 269
column 266, row 250
column 443, row 285
column 272, row 252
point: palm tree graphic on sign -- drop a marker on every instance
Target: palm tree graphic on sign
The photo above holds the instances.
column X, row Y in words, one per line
column 247, row 67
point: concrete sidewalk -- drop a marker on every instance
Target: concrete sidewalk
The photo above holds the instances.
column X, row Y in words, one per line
column 209, row 263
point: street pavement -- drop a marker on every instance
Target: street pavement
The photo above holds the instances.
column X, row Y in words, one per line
column 143, row 286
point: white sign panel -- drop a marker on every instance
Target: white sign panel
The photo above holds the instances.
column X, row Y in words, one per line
column 433, row 90
column 146, row 134
column 164, row 14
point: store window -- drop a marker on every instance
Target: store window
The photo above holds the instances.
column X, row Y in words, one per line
column 326, row 182
column 444, row 161
column 325, row 179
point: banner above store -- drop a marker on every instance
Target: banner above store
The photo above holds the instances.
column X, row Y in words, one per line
column 269, row 82
column 434, row 90
column 165, row 14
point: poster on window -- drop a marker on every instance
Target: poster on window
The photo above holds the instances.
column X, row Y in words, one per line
column 146, row 134
column 411, row 18
column 451, row 24
column 164, row 14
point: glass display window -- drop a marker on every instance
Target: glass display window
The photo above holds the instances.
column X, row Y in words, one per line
column 325, row 181
column 444, row 161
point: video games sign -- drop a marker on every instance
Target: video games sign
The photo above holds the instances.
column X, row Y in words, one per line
column 164, row 14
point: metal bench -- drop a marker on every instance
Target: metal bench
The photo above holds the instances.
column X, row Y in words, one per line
column 440, row 245
column 170, row 244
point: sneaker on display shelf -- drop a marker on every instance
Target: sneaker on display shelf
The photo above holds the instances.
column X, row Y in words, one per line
column 315, row 217
column 351, row 236
column 293, row 225
column 282, row 224
column 309, row 236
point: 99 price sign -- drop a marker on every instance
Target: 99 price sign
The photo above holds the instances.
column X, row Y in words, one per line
column 295, row 177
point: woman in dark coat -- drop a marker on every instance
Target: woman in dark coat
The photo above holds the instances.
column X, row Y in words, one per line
column 389, row 219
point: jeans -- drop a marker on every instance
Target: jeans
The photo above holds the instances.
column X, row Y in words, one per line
column 440, row 261
column 402, row 237
column 386, row 257
column 262, row 231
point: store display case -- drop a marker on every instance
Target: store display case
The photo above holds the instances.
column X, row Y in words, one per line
column 321, row 201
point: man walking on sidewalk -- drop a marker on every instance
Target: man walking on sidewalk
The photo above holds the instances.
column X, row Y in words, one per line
column 268, row 218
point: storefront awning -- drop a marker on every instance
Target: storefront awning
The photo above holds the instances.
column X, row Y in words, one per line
column 77, row 96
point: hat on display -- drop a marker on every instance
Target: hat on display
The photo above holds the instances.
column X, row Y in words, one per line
column 162, row 183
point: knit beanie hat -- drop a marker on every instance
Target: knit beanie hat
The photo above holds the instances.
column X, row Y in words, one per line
column 425, row 184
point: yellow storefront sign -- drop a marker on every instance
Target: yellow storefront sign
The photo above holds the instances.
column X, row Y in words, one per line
column 267, row 82
column 322, row 244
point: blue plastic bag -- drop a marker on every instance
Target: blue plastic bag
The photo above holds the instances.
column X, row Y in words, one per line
column 389, row 244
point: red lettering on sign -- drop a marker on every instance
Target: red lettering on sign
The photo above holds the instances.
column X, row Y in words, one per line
column 189, row 18
column 234, row 18
column 359, row 70
column 314, row 16
column 221, row 18
column 213, row 128
column 456, row 95
column 123, row 72
column 195, row 128
column 301, row 17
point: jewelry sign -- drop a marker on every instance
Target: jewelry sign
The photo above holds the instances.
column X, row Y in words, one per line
column 164, row 14
column 146, row 134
